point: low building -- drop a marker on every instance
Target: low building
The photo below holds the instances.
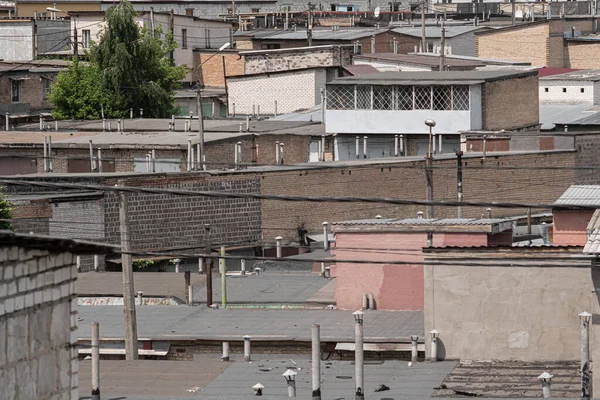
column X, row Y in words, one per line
column 38, row 315
column 542, row 43
column 368, row 40
column 24, row 89
column 25, row 39
column 572, row 213
column 31, row 8
column 459, row 40
column 392, row 62
column 390, row 103
column 576, row 87
column 396, row 281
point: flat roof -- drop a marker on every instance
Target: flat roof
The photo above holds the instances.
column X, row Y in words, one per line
column 434, row 32
column 318, row 34
column 294, row 49
column 419, row 59
column 489, row 225
column 592, row 75
column 54, row 244
column 432, row 77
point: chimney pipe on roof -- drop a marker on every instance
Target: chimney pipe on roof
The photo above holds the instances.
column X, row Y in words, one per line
column 420, row 215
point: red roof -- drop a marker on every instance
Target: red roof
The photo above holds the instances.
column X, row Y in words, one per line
column 553, row 71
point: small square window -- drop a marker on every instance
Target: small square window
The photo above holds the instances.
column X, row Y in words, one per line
column 582, row 90
column 564, row 90
column 546, row 90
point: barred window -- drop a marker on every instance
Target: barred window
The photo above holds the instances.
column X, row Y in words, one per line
column 403, row 98
column 382, row 97
column 442, row 97
column 363, row 97
column 422, row 97
column 340, row 97
column 460, row 97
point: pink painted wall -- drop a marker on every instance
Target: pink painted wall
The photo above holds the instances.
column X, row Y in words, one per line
column 394, row 286
column 570, row 226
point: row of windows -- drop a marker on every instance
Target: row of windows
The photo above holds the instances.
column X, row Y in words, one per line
column 564, row 90
column 368, row 97
column 16, row 88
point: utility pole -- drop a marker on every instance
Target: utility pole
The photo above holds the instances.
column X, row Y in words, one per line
column 442, row 51
column 459, row 183
column 201, row 156
column 514, row 10
column 309, row 25
column 223, row 271
column 208, row 264
column 423, row 49
column 131, row 343
column 75, row 45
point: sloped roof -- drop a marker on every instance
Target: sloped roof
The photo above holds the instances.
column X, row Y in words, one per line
column 587, row 196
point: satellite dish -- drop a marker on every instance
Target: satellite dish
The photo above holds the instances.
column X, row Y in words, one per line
column 377, row 12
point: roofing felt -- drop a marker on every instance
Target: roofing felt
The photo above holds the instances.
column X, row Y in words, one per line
column 419, row 59
column 593, row 244
column 426, row 221
column 434, row 32
column 580, row 195
column 54, row 245
column 432, row 77
column 575, row 75
column 547, row 72
column 318, row 34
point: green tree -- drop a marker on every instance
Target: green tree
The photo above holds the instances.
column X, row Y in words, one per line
column 5, row 213
column 129, row 67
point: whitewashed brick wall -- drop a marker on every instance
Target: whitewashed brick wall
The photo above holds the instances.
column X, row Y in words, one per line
column 573, row 94
column 38, row 331
column 292, row 91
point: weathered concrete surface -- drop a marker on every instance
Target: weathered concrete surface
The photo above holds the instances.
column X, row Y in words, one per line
column 182, row 322
column 510, row 308
column 510, row 379
column 150, row 377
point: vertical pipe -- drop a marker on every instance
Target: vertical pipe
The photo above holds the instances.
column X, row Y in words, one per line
column 96, row 262
column 459, row 183
column 45, row 154
column 440, row 143
column 153, row 154
column 41, row 123
column 365, row 301
column 585, row 357
column 323, row 104
column 199, row 157
column 247, row 123
column 414, row 352
column 434, row 353
column 372, row 301
column 92, row 164
column 281, row 153
column 208, row 251
column 434, row 146
column 100, row 160
column 358, row 147
column 192, row 156
column 322, row 269
column 243, row 264
column 103, row 125
column 95, row 361
column 277, row 157
column 396, row 140
column 316, row 362
column 189, row 155
column 278, row 246
column 200, row 265
column 78, row 262
column 7, row 122
column 240, row 160
column 223, row 272
column 275, row 109
column 322, row 148
column 335, row 148
column 402, row 152
column 484, row 145
column 359, row 360
column 529, row 221
column 225, row 356
column 364, row 146
column 326, row 235
column 50, row 167
column 247, row 354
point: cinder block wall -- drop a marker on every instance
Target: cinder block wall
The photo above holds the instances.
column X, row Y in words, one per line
column 527, row 43
column 293, row 59
column 38, row 357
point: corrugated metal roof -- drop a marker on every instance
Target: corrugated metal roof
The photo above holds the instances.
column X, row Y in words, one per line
column 593, row 244
column 581, row 195
column 582, row 75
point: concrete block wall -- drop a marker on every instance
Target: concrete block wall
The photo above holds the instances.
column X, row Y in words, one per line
column 292, row 90
column 582, row 55
column 287, row 60
column 38, row 331
column 566, row 92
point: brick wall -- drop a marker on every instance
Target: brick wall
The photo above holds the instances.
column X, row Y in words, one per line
column 502, row 108
column 535, row 186
column 527, row 43
column 32, row 90
column 582, row 55
column 588, row 155
column 292, row 90
column 286, row 60
column 165, row 221
column 38, row 354
column 211, row 73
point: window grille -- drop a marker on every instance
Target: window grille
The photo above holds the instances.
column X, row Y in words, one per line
column 422, row 97
column 460, row 98
column 403, row 98
column 340, row 97
column 363, row 97
column 382, row 97
column 442, row 98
